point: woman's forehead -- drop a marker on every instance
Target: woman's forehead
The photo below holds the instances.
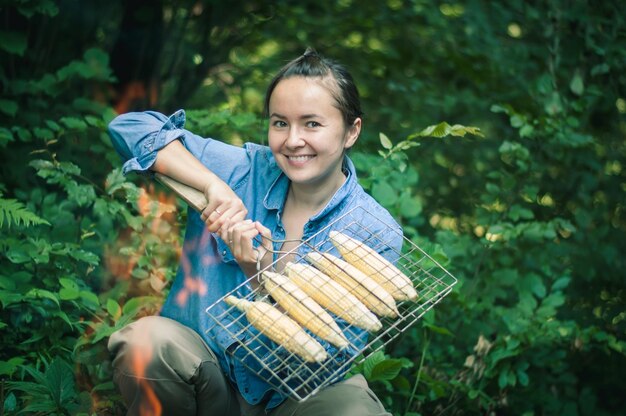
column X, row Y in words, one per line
column 297, row 93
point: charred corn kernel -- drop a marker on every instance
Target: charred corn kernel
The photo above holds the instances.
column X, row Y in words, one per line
column 373, row 295
column 367, row 260
column 303, row 308
column 280, row 328
column 332, row 296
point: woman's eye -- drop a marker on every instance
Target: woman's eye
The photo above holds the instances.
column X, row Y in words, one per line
column 312, row 124
column 279, row 123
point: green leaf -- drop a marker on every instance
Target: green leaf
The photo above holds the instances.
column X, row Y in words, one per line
column 90, row 299
column 537, row 286
column 70, row 289
column 60, row 380
column 517, row 121
column 5, row 136
column 8, row 367
column 43, row 133
column 600, row 69
column 10, row 403
column 443, row 129
column 553, row 104
column 437, row 130
column 384, row 193
column 114, row 309
column 23, row 134
column 371, row 362
column 42, row 294
column 553, row 300
column 82, row 194
column 388, row 369
column 63, row 317
column 8, row 107
column 384, row 141
column 9, row 297
column 561, row 283
column 576, row 85
column 45, row 7
column 74, row 123
column 517, row 212
column 85, row 256
column 410, row 207
column 522, row 376
column 53, row 125
column 13, row 42
column 526, row 131
column 503, row 378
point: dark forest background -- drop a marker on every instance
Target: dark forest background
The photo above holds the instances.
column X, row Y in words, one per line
column 530, row 216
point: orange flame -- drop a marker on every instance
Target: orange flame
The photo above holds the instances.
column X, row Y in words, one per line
column 141, row 357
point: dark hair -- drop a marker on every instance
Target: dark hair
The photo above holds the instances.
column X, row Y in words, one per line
column 311, row 64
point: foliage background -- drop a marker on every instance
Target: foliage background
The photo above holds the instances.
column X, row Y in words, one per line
column 530, row 218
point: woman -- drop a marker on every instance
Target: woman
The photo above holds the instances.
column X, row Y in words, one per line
column 287, row 192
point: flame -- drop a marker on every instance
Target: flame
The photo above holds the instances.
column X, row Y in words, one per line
column 136, row 93
column 141, row 357
column 157, row 210
column 193, row 284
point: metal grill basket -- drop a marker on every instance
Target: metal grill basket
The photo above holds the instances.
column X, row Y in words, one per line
column 287, row 372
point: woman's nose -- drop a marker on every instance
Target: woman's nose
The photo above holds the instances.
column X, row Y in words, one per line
column 294, row 138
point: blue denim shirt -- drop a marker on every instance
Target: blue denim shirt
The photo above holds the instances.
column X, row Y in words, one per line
column 207, row 268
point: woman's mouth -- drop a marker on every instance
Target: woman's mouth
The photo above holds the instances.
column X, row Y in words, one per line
column 298, row 160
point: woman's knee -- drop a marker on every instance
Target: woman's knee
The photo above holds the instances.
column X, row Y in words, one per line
column 158, row 348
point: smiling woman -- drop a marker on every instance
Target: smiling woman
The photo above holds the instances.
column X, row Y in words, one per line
column 289, row 191
column 308, row 136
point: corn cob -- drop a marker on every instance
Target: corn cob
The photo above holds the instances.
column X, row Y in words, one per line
column 374, row 265
column 303, row 309
column 332, row 296
column 373, row 295
column 280, row 328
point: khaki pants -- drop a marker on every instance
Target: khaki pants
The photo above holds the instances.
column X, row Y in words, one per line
column 162, row 366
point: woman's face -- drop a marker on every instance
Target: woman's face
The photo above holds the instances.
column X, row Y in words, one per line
column 307, row 133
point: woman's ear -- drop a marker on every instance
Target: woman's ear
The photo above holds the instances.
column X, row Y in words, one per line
column 352, row 133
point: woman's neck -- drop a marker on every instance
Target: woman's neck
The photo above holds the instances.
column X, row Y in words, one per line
column 313, row 199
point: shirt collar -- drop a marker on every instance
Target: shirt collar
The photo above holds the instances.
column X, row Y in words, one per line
column 277, row 193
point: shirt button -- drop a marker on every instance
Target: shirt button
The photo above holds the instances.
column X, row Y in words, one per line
column 224, row 253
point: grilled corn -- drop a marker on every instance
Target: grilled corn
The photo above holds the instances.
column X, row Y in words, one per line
column 280, row 328
column 374, row 265
column 332, row 296
column 373, row 295
column 303, row 308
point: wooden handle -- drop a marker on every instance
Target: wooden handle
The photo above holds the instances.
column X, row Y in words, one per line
column 192, row 196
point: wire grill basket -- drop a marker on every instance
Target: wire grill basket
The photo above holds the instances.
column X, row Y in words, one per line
column 292, row 375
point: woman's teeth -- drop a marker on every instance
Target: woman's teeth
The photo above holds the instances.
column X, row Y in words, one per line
column 300, row 158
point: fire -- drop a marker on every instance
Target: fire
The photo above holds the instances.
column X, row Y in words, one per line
column 141, row 357
column 134, row 93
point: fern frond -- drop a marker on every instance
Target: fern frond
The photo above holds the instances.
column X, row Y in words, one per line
column 13, row 212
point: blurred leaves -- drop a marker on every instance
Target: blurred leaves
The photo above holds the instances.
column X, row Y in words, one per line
column 522, row 200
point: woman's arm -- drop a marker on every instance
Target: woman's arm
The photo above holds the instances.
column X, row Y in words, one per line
column 152, row 141
column 224, row 206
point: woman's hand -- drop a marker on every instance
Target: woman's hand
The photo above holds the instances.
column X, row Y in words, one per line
column 224, row 207
column 239, row 236
column 175, row 161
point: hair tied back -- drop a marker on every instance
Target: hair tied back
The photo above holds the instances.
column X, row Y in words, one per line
column 310, row 52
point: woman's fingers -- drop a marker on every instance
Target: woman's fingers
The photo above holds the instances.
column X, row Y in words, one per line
column 216, row 218
column 239, row 239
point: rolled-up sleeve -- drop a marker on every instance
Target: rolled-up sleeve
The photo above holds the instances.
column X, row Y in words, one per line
column 138, row 137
